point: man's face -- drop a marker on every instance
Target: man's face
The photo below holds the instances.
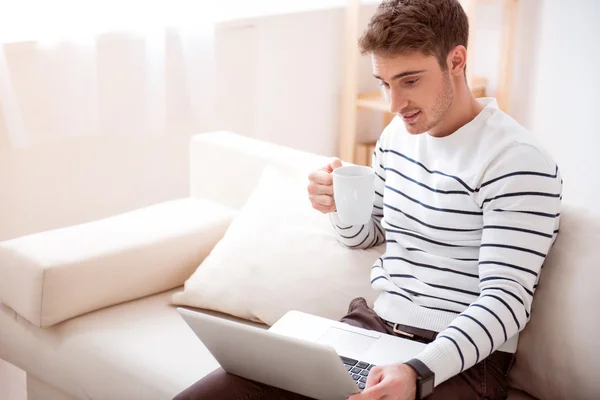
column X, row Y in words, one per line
column 416, row 87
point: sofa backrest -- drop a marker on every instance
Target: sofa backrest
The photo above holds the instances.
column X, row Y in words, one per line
column 219, row 159
column 559, row 354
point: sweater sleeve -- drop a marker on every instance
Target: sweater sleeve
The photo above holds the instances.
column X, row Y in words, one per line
column 370, row 234
column 520, row 195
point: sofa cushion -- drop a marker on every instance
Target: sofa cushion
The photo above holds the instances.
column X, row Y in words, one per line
column 279, row 255
column 56, row 275
column 137, row 350
column 558, row 353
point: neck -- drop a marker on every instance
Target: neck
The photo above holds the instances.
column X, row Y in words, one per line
column 464, row 109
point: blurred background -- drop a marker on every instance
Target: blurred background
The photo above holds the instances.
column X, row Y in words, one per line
column 98, row 99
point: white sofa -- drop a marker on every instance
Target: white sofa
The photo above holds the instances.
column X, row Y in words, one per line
column 112, row 333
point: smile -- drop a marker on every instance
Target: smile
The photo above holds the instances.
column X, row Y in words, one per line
column 411, row 117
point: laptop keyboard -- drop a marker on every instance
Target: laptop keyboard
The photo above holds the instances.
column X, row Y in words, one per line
column 358, row 370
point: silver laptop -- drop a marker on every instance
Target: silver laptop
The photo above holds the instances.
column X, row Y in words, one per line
column 301, row 353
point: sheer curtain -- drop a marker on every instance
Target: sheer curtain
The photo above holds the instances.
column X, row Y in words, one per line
column 122, row 67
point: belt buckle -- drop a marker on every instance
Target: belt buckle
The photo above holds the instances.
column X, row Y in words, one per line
column 396, row 330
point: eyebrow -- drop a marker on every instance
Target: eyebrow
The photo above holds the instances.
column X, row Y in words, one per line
column 402, row 74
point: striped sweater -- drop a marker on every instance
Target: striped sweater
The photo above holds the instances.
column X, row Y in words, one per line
column 468, row 220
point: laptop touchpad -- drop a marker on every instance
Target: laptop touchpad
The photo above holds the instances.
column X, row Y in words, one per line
column 346, row 342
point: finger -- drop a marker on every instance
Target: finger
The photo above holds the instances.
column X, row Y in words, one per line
column 331, row 165
column 335, row 163
column 321, row 177
column 376, row 392
column 363, row 396
column 316, row 189
column 322, row 199
column 324, row 209
column 374, row 377
column 358, row 396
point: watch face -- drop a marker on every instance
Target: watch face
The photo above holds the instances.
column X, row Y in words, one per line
column 427, row 387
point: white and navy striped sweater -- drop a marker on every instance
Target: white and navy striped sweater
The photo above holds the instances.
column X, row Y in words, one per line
column 468, row 220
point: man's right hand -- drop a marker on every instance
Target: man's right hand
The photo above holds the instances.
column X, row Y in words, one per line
column 320, row 187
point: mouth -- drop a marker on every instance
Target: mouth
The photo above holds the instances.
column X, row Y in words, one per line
column 411, row 117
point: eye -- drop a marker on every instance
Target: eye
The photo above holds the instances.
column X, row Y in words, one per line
column 412, row 82
column 385, row 85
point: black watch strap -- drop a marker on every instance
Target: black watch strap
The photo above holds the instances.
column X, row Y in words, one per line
column 425, row 378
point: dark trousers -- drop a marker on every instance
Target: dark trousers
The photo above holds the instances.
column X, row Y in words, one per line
column 486, row 380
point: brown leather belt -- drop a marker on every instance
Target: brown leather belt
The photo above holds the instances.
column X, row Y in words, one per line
column 411, row 332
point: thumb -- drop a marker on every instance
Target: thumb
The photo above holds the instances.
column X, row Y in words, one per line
column 375, row 376
column 335, row 163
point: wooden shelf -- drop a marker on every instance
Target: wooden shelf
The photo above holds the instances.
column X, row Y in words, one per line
column 372, row 101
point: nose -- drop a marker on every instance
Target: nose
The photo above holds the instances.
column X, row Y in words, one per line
column 398, row 101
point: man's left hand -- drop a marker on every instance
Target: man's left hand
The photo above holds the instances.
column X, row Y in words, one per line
column 390, row 382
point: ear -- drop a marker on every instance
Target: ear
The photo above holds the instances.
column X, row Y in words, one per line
column 457, row 60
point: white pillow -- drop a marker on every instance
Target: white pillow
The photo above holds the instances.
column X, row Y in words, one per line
column 279, row 255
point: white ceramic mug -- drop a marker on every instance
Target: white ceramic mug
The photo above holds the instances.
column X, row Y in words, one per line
column 353, row 191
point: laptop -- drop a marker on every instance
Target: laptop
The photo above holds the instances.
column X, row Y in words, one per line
column 301, row 353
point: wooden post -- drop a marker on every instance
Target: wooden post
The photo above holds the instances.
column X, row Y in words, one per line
column 470, row 7
column 509, row 21
column 348, row 111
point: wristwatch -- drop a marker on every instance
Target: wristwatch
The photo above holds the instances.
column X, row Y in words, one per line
column 425, row 378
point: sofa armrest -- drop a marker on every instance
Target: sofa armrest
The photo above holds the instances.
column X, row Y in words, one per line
column 225, row 167
column 56, row 275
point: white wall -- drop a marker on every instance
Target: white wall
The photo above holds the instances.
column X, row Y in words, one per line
column 556, row 83
column 563, row 105
column 278, row 80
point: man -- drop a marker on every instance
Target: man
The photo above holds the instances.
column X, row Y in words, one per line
column 467, row 203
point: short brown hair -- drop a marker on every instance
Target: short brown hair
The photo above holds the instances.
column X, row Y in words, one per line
column 433, row 27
